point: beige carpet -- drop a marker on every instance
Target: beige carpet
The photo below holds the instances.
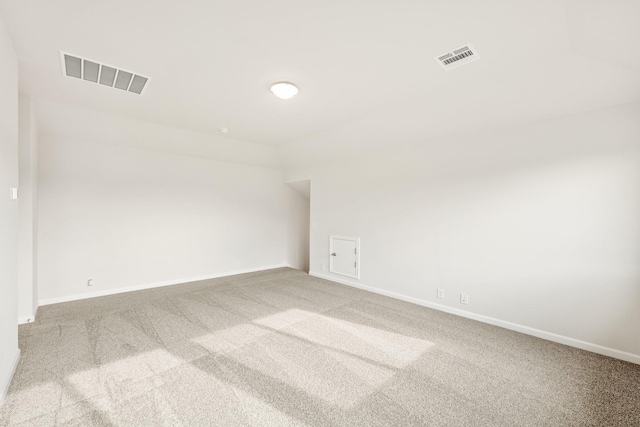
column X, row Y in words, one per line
column 281, row 348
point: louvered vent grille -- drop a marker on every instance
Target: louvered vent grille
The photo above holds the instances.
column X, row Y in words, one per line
column 84, row 69
column 457, row 57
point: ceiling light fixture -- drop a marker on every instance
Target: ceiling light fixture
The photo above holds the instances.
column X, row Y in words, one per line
column 284, row 90
column 224, row 130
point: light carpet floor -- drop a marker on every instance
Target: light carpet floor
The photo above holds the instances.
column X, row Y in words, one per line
column 281, row 348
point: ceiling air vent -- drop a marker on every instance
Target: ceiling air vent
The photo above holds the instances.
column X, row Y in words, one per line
column 84, row 69
column 457, row 57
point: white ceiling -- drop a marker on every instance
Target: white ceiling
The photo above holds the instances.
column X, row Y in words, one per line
column 365, row 69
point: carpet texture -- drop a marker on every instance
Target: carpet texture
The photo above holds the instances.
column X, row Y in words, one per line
column 281, row 348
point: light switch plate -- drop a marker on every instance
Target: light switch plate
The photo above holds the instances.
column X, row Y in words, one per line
column 14, row 193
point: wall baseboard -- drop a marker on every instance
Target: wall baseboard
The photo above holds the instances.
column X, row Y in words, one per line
column 25, row 319
column 550, row 336
column 7, row 381
column 88, row 295
column 28, row 319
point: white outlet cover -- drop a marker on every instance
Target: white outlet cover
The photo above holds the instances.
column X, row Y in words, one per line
column 13, row 193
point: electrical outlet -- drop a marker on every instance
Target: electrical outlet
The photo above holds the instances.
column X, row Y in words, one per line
column 323, row 267
column 237, row 263
column 90, row 282
column 464, row 299
column 440, row 293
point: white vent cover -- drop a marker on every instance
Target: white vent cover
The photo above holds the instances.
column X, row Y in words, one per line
column 457, row 57
column 81, row 68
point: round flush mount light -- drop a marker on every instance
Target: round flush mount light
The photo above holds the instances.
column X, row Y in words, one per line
column 224, row 130
column 284, row 90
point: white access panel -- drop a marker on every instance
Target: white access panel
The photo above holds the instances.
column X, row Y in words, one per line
column 344, row 256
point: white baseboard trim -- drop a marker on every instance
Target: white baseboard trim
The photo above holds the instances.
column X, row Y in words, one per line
column 28, row 319
column 106, row 292
column 550, row 336
column 25, row 319
column 7, row 381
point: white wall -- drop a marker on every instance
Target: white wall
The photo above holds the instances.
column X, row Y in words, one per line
column 8, row 210
column 539, row 224
column 28, row 207
column 129, row 217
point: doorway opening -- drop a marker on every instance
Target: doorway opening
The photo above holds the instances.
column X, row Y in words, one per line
column 299, row 224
